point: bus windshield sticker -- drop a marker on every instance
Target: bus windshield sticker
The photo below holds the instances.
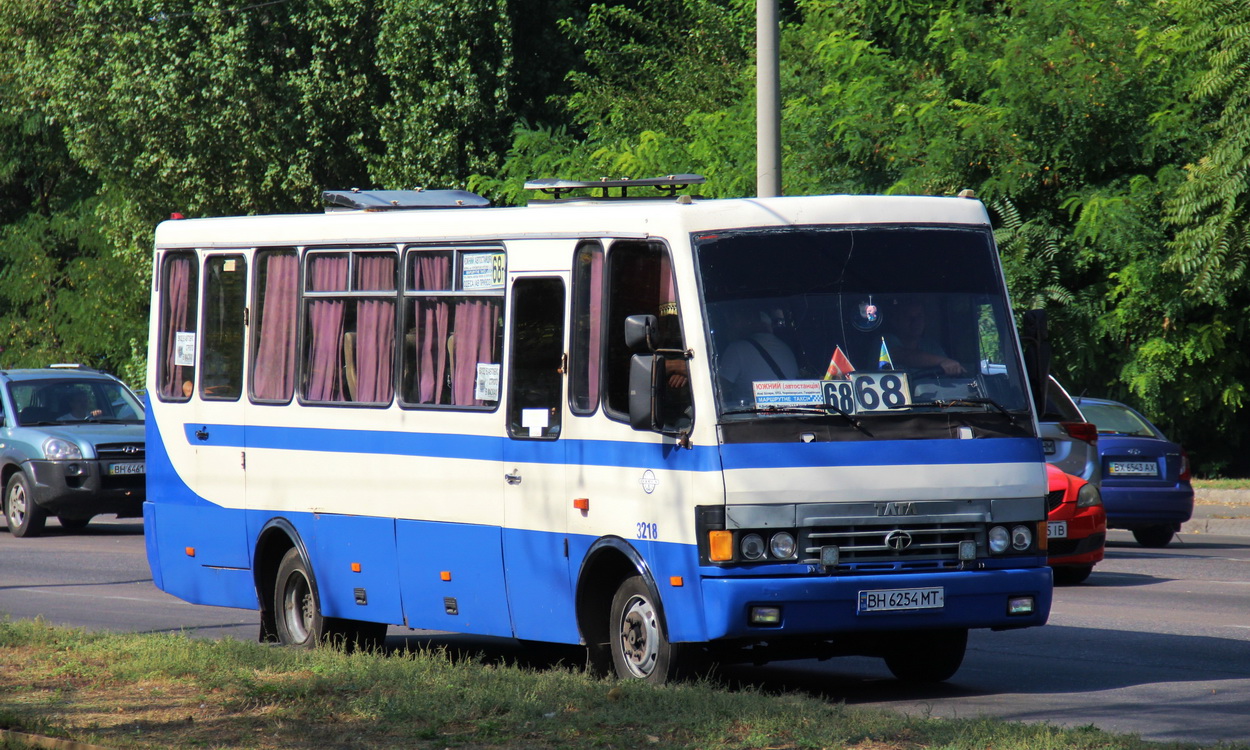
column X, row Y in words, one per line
column 787, row 393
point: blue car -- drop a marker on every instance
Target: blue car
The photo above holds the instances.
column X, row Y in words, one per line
column 1145, row 476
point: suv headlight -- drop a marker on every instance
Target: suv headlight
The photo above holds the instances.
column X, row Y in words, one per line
column 56, row 449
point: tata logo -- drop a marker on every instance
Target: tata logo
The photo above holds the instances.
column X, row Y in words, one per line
column 898, row 540
column 896, row 509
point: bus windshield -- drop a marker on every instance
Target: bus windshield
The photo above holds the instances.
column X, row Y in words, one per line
column 858, row 321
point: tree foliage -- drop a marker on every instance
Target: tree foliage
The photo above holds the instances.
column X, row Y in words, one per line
column 1109, row 140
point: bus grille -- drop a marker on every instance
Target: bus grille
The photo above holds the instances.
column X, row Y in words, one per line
column 890, row 543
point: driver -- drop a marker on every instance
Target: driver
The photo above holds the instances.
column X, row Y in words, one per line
column 909, row 344
column 79, row 408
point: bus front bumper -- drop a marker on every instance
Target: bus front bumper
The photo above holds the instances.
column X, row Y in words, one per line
column 756, row 607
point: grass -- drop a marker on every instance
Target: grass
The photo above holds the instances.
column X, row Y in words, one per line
column 160, row 691
column 1221, row 484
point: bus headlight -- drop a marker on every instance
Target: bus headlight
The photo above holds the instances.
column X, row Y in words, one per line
column 781, row 546
column 999, row 539
column 752, row 546
column 1021, row 538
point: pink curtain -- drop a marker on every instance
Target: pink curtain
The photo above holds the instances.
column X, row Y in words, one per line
column 325, row 322
column 375, row 330
column 477, row 325
column 431, row 272
column 177, row 298
column 273, row 370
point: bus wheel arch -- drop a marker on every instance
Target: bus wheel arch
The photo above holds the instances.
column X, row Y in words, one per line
column 275, row 539
column 615, row 590
column 290, row 600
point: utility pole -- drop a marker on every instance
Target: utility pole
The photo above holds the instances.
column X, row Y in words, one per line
column 767, row 99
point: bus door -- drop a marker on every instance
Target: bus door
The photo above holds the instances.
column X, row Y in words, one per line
column 200, row 390
column 535, row 552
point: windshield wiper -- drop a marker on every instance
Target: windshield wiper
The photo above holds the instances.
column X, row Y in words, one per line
column 822, row 410
column 948, row 403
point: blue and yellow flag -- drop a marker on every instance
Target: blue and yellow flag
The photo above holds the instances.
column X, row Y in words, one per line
column 883, row 360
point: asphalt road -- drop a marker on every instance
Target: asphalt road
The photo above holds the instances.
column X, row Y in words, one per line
column 1156, row 643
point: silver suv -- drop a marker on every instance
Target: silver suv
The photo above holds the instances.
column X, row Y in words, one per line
column 71, row 446
column 1068, row 439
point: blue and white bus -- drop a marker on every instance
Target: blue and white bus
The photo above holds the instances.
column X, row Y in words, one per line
column 658, row 427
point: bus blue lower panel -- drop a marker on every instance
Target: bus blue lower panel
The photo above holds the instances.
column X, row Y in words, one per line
column 197, row 554
column 451, row 577
column 540, row 590
column 828, row 605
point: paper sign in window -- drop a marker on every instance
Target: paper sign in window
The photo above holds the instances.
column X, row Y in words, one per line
column 184, row 349
column 486, row 385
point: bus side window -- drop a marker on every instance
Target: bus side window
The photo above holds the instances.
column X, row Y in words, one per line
column 534, row 391
column 587, row 339
column 273, row 333
column 453, row 335
column 640, row 282
column 179, row 305
column 221, row 356
column 350, row 333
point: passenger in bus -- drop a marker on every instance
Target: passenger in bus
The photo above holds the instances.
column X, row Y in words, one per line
column 757, row 354
column 911, row 345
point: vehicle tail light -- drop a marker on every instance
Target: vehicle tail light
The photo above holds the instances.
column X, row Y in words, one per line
column 1081, row 431
column 1185, row 475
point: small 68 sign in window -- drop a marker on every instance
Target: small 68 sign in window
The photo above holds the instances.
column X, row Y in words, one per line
column 869, row 391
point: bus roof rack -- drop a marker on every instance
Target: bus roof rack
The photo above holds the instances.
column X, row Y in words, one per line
column 668, row 185
column 399, row 200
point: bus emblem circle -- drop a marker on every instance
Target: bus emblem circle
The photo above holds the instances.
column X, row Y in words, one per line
column 898, row 540
column 648, row 481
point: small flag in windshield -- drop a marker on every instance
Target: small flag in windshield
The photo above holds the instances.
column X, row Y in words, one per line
column 883, row 360
column 840, row 367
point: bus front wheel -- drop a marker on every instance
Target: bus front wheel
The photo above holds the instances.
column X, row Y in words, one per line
column 640, row 650
column 300, row 622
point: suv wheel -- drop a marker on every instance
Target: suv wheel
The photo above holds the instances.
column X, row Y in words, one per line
column 25, row 518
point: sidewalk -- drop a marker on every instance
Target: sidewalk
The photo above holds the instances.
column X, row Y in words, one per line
column 1225, row 512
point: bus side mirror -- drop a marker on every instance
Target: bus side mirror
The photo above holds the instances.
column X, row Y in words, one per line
column 1036, row 355
column 639, row 333
column 643, row 390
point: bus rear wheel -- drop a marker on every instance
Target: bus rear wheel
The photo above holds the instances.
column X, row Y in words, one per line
column 640, row 650
column 299, row 620
column 927, row 657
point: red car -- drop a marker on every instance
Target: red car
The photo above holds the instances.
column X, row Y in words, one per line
column 1077, row 526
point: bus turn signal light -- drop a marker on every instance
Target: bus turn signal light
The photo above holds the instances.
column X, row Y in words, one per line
column 720, row 545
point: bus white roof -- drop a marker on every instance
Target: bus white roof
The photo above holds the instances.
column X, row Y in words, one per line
column 588, row 218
